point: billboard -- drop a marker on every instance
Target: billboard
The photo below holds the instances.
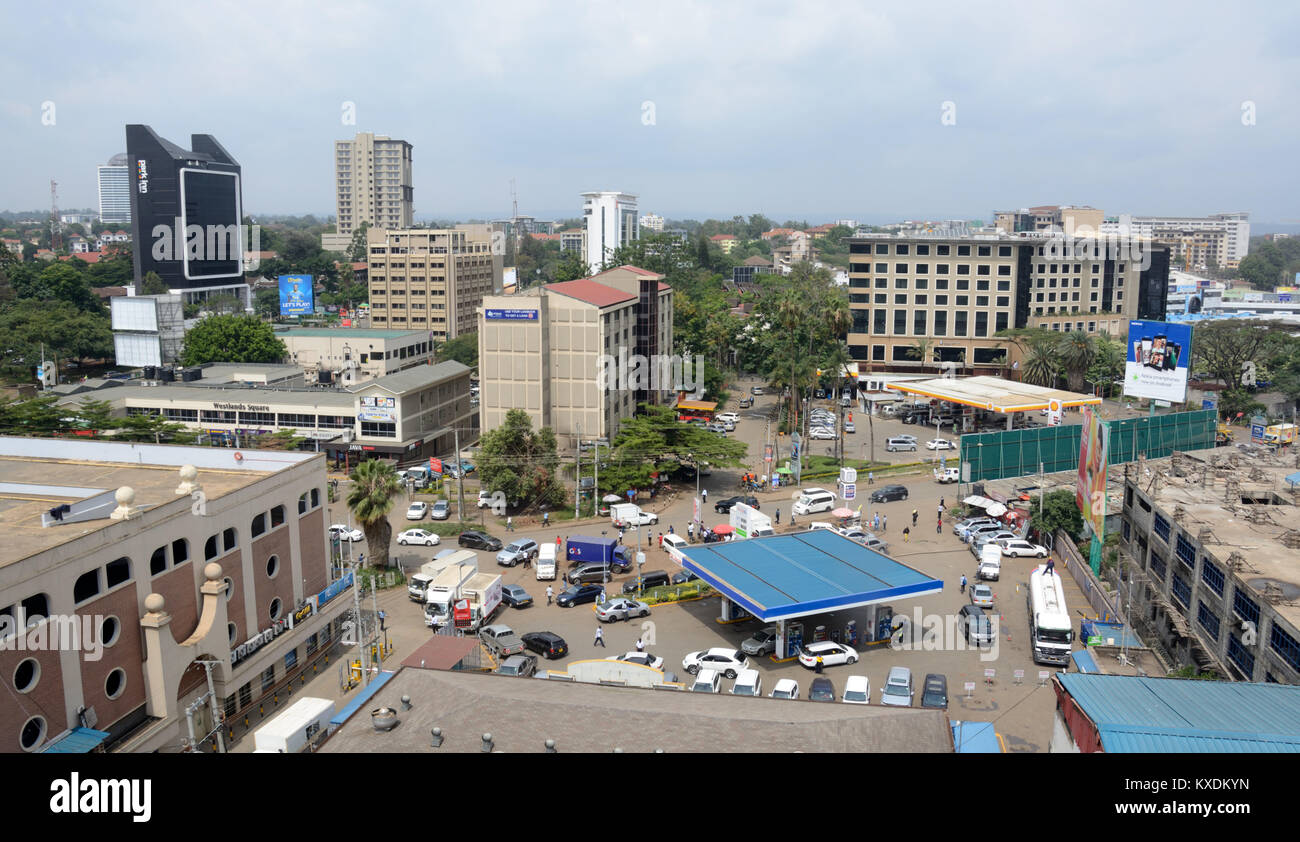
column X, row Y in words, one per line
column 296, row 295
column 1090, row 491
column 497, row 315
column 1158, row 356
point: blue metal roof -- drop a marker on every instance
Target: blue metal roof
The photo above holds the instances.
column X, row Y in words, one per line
column 1083, row 661
column 76, row 741
column 1134, row 713
column 364, row 696
column 803, row 573
column 975, row 738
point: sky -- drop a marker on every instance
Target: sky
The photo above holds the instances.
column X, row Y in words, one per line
column 818, row 110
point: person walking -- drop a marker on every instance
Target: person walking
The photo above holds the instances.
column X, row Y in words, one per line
column 557, row 545
column 914, row 514
column 528, row 560
column 938, row 526
column 1051, row 566
column 510, row 524
column 550, row 592
column 941, row 505
column 600, row 638
column 778, row 515
column 963, row 583
column 704, row 495
column 940, row 509
column 884, row 523
column 871, row 477
column 546, row 518
column 907, row 531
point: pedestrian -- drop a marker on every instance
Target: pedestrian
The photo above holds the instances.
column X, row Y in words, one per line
column 704, row 495
column 510, row 524
column 778, row 515
column 528, row 560
column 557, row 544
column 963, row 583
column 871, row 477
column 670, row 529
column 941, row 505
column 640, row 645
column 690, row 531
column 550, row 592
column 546, row 518
column 600, row 638
column 914, row 513
column 938, row 526
column 818, row 666
column 941, row 510
column 884, row 523
column 907, row 530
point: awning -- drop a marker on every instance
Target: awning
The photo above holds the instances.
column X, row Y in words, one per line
column 996, row 510
column 723, row 529
column 76, row 741
column 978, row 501
column 697, row 406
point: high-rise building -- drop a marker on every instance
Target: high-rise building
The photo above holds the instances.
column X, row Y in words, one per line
column 1221, row 238
column 653, row 222
column 611, row 221
column 186, row 212
column 431, row 279
column 115, row 190
column 372, row 177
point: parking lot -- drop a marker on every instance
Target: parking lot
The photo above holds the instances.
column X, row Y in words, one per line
column 1022, row 711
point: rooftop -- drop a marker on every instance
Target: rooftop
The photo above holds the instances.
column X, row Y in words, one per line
column 521, row 714
column 592, row 292
column 413, row 378
column 994, row 393
column 350, row 333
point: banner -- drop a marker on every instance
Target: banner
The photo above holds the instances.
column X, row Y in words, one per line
column 1090, row 491
column 296, row 295
column 1158, row 356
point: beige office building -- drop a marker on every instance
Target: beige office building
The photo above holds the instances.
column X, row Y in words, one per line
column 373, row 184
column 348, row 356
column 541, row 350
column 957, row 293
column 431, row 279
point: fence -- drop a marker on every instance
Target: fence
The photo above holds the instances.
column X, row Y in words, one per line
column 1014, row 453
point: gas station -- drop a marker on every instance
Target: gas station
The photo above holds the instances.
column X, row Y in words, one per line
column 993, row 394
column 786, row 578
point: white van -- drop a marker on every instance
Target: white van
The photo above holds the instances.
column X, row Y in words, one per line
column 821, row 524
column 748, row 683
column 814, row 500
column 707, row 681
column 900, row 444
column 546, row 561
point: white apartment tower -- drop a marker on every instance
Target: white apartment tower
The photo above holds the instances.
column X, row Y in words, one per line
column 115, row 191
column 373, row 183
column 611, row 221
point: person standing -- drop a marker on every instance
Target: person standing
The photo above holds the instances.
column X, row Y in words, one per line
column 907, row 531
column 818, row 666
column 557, row 544
column 600, row 638
column 550, row 592
column 884, row 523
column 690, row 531
column 778, row 515
column 938, row 526
column 914, row 514
column 940, row 508
column 871, row 477
column 963, row 583
column 1051, row 566
column 510, row 524
column 704, row 495
column 640, row 645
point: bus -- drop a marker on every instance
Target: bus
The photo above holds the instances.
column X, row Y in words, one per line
column 1049, row 623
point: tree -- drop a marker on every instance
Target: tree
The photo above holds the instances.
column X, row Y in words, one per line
column 1076, row 351
column 358, row 250
column 61, row 282
column 266, row 303
column 93, row 414
column 571, row 266
column 1060, row 511
column 654, row 440
column 152, row 284
column 463, row 349
column 1220, row 348
column 66, row 331
column 153, row 427
column 375, row 486
column 232, row 338
column 520, row 463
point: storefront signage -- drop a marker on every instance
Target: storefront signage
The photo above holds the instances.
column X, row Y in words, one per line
column 256, row 642
column 306, row 611
column 377, row 415
column 492, row 315
column 244, row 407
column 378, row 402
column 338, row 587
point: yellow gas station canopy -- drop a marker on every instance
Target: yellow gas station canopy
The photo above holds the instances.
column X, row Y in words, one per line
column 994, row 394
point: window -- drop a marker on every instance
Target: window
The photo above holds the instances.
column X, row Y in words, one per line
column 942, row 250
column 180, row 551
column 882, row 268
column 900, row 322
column 378, row 430
column 1285, row 645
column 900, row 283
column 1181, row 591
column 940, row 283
column 1127, row 529
column 983, row 270
column 1207, row 620
column 1000, row 322
column 315, row 498
column 1239, row 655
column 259, row 525
column 901, row 249
column 963, row 268
column 1004, row 271
column 882, row 248
column 268, row 678
column 115, row 683
column 918, row 323
column 981, row 323
column 963, row 283
column 963, row 300
column 1004, row 251
column 277, row 516
column 963, row 251
column 1185, row 552
column 922, row 250
column 900, row 298
column 1161, row 527
column 985, row 251
column 881, row 298
column 959, row 323
column 882, row 283
column 941, row 301
column 32, row 733
column 878, row 353
column 210, row 549
column 941, row 323
column 878, row 321
column 116, row 572
column 1245, row 607
column 229, row 539
column 922, row 300
column 290, row 659
column 26, row 675
column 246, row 694
column 921, row 269
column 272, row 567
column 981, row 301
column 86, row 586
column 158, row 561
column 1157, row 566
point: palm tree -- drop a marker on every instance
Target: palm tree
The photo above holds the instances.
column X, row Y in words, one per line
column 374, row 487
column 922, row 349
column 1077, row 350
column 1040, row 364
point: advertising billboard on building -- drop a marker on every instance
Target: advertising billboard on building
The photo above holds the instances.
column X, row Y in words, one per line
column 296, row 295
column 1158, row 356
column 1090, row 491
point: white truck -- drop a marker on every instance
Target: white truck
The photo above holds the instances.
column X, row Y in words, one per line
column 295, row 728
column 630, row 514
column 946, row 475
column 749, row 522
column 1050, row 632
column 545, row 561
column 480, row 597
column 989, row 567
column 418, row 584
column 443, row 590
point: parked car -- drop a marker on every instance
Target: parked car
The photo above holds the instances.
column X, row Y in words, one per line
column 748, row 683
column 418, row 536
column 893, row 445
column 940, row 444
column 520, row 666
column 478, row 541
column 441, row 510
column 822, row 433
column 729, row 662
column 645, row 659
column 725, row 417
column 346, row 533
column 1018, row 547
column 746, row 403
column 857, row 690
column 982, row 538
column 898, row 688
column 547, row 644
column 517, row 551
column 648, row 579
column 975, row 624
column 717, row 427
column 763, row 642
column 961, row 528
column 706, row 681
column 590, row 573
column 756, row 390
column 850, row 427
column 417, row 510
column 501, row 640
column 722, row 507
column 934, row 691
column 578, row 595
column 821, row 690
column 986, row 529
column 886, row 493
column 516, row 596
column 981, row 595
column 683, row 576
column 832, row 654
column 621, row 608
column 786, row 688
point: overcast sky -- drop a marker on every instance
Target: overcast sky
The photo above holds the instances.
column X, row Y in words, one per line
column 813, row 109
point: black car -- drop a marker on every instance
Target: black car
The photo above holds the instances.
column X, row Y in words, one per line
column 722, row 507
column 478, row 541
column 889, row 492
column 935, row 692
column 547, row 644
column 589, row 574
column 516, row 596
column 578, row 594
column 649, row 579
column 683, row 577
column 821, row 690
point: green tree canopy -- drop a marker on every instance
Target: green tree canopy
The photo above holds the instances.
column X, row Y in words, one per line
column 463, row 349
column 1060, row 511
column 375, row 486
column 521, row 463
column 232, row 338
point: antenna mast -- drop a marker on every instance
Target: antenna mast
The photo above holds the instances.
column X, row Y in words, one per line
column 56, row 227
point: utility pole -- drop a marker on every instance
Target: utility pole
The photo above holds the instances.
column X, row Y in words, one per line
column 577, row 476
column 460, row 475
column 595, row 483
column 356, row 610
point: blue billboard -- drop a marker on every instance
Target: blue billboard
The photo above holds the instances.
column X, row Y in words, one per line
column 1158, row 356
column 296, row 295
column 494, row 315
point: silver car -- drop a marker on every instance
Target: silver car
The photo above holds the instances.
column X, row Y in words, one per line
column 520, row 666
column 621, row 608
column 762, row 643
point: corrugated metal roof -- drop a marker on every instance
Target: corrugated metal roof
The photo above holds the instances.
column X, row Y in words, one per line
column 1134, row 713
column 76, row 741
column 975, row 738
column 413, row 378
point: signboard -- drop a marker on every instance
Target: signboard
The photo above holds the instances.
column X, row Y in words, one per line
column 1090, row 490
column 1208, row 403
column 496, row 315
column 296, row 295
column 378, row 409
column 435, row 464
column 347, row 323
column 1258, row 426
column 850, row 490
column 257, row 641
column 1158, row 355
column 377, row 416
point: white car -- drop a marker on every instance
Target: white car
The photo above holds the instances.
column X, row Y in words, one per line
column 1017, row 548
column 898, row 688
column 786, row 688
column 728, row 662
column 645, row 659
column 821, row 433
column 724, row 417
column 346, row 533
column 748, row 683
column 832, row 654
column 940, row 444
column 857, row 690
column 417, row 511
column 850, row 427
column 418, row 536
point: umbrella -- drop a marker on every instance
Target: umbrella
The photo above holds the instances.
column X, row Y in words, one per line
column 842, row 513
column 1294, row 479
column 723, row 529
column 611, row 498
column 996, row 510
